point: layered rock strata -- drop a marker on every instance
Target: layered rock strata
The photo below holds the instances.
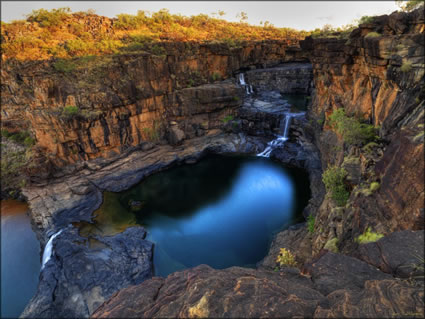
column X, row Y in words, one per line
column 107, row 104
column 379, row 78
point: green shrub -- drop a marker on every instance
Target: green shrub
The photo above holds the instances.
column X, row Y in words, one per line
column 5, row 133
column 48, row 18
column 352, row 130
column 153, row 132
column 90, row 114
column 216, row 76
column 70, row 111
column 23, row 137
column 29, row 141
column 190, row 83
column 332, row 245
column 311, row 220
column 64, row 66
column 368, row 148
column 374, row 186
column 366, row 19
column 368, row 237
column 236, row 98
column 373, row 35
column 134, row 47
column 333, row 178
column 285, row 258
column 227, row 119
column 12, row 166
column 406, row 67
column 158, row 50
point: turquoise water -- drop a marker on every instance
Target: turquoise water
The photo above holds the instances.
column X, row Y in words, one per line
column 20, row 259
column 222, row 211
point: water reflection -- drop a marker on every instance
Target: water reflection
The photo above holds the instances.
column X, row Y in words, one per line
column 222, row 211
column 20, row 259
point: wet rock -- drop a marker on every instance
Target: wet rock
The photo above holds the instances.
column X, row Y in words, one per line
column 81, row 274
column 135, row 205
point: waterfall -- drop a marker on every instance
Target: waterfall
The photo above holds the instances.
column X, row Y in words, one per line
column 281, row 139
column 241, row 79
column 286, row 127
column 248, row 88
column 47, row 253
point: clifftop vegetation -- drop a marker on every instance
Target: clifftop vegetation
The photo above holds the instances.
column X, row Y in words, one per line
column 61, row 34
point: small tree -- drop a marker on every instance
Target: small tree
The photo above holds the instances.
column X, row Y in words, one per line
column 409, row 5
column 242, row 16
column 333, row 178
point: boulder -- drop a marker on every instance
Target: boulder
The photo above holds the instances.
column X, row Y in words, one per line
column 175, row 135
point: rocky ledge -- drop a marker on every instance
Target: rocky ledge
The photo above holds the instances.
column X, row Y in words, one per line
column 82, row 273
column 74, row 193
column 333, row 286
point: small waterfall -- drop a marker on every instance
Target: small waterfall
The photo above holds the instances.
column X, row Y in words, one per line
column 248, row 88
column 281, row 139
column 49, row 249
column 241, row 79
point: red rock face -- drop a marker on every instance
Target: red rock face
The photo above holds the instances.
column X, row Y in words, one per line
column 126, row 99
column 379, row 79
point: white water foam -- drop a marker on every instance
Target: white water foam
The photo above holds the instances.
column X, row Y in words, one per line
column 47, row 253
column 248, row 88
column 281, row 139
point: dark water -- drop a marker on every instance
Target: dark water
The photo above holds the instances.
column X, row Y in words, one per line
column 222, row 211
column 20, row 259
column 298, row 101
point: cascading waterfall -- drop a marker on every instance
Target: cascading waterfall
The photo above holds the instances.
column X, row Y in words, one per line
column 281, row 139
column 248, row 88
column 48, row 249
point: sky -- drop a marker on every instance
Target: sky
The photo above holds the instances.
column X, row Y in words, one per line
column 301, row 15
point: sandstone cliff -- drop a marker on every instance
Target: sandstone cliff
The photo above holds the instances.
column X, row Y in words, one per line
column 126, row 101
column 379, row 78
column 106, row 104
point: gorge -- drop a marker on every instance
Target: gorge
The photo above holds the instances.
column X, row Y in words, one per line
column 312, row 108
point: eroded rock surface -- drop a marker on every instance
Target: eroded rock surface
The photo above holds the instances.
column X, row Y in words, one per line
column 205, row 292
column 357, row 291
column 82, row 273
column 399, row 253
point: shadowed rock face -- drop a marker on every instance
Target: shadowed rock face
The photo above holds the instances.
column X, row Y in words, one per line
column 353, row 288
column 287, row 78
column 379, row 79
column 81, row 274
column 398, row 253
